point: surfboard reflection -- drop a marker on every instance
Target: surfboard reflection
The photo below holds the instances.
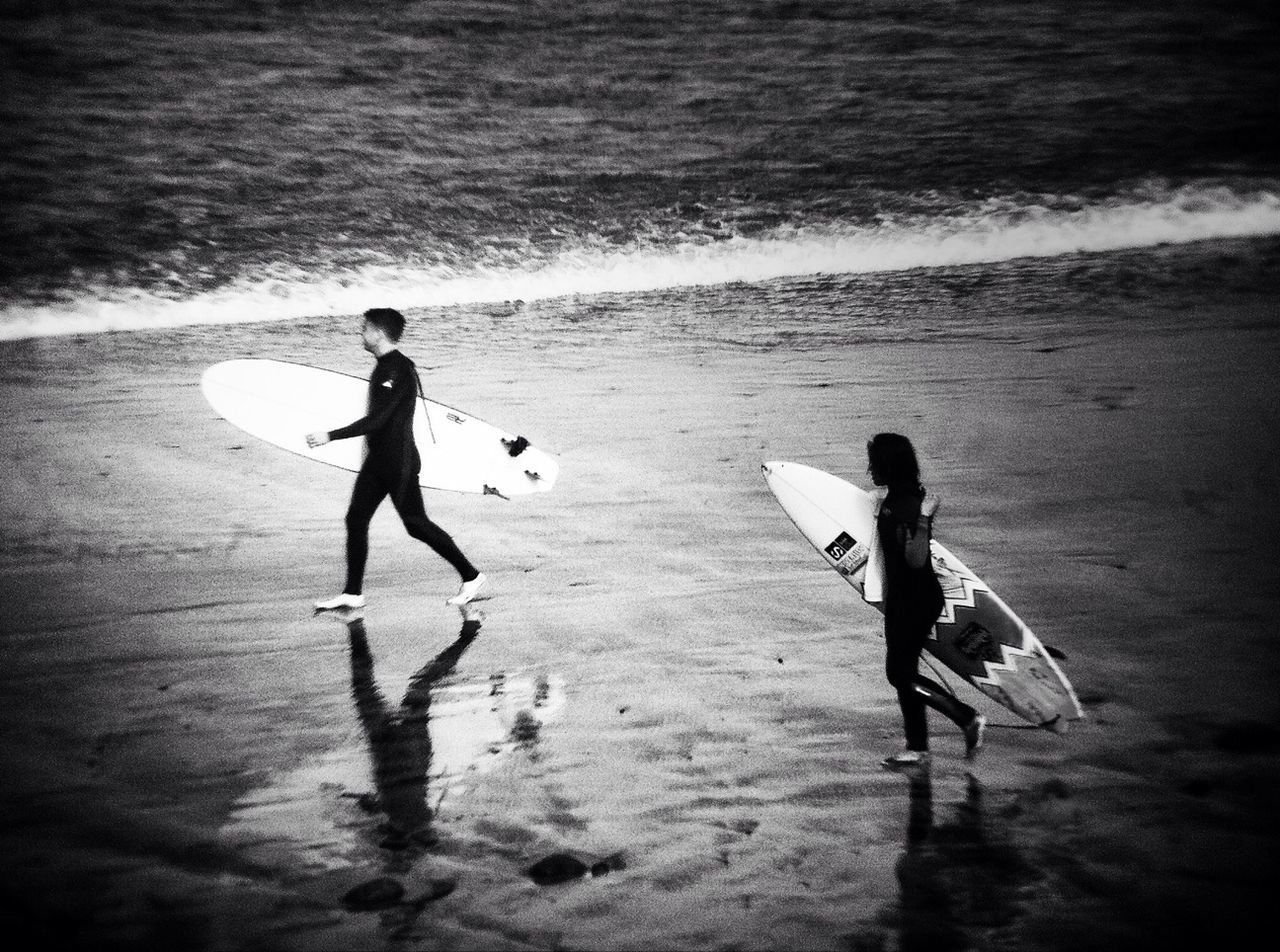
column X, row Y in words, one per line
column 399, row 741
column 955, row 879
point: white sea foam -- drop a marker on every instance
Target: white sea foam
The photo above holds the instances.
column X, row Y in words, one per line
column 989, row 232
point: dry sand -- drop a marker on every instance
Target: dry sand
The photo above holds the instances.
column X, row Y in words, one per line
column 183, row 759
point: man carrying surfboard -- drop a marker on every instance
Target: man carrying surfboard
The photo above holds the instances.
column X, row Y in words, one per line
column 901, row 576
column 391, row 464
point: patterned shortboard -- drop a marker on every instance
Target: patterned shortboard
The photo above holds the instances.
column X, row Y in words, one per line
column 977, row 635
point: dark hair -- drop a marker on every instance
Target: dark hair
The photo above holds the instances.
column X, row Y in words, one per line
column 388, row 320
column 894, row 458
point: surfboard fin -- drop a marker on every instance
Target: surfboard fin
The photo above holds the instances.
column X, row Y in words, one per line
column 517, row 446
column 491, row 491
column 1056, row 724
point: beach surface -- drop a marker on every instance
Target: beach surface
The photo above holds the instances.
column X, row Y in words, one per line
column 667, row 683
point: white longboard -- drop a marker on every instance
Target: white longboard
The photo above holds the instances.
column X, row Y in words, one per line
column 281, row 402
column 977, row 635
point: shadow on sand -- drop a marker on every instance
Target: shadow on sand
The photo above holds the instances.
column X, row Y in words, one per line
column 957, row 880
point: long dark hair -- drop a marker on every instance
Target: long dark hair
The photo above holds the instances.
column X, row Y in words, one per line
column 893, row 459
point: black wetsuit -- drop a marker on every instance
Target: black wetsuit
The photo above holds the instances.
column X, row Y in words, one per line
column 390, row 468
column 913, row 601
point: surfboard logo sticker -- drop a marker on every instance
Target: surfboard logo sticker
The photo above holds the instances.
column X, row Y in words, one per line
column 976, row 643
column 847, row 554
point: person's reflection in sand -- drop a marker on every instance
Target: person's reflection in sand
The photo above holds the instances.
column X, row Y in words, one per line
column 399, row 742
column 953, row 881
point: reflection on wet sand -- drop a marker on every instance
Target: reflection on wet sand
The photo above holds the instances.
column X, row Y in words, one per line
column 435, row 744
column 399, row 739
column 957, row 879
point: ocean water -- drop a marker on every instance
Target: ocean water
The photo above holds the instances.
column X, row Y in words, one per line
column 221, row 161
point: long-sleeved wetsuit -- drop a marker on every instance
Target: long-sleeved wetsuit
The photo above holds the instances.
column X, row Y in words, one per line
column 390, row 468
column 912, row 602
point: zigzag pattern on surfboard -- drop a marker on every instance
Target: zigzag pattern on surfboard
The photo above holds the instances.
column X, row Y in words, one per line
column 948, row 568
column 994, row 687
column 1040, row 691
column 1038, row 697
column 1008, row 663
column 962, row 593
column 978, row 636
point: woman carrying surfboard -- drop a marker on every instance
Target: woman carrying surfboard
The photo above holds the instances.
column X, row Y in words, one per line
column 391, row 465
column 900, row 575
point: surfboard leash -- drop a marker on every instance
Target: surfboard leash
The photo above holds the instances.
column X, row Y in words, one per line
column 422, row 395
column 938, row 674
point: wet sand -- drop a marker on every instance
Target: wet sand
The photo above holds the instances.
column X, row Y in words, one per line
column 665, row 673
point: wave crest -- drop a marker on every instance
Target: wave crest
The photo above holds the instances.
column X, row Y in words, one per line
column 992, row 231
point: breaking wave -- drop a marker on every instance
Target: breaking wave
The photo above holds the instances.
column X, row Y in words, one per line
column 992, row 231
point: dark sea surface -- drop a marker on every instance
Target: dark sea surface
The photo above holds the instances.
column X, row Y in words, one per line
column 213, row 161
